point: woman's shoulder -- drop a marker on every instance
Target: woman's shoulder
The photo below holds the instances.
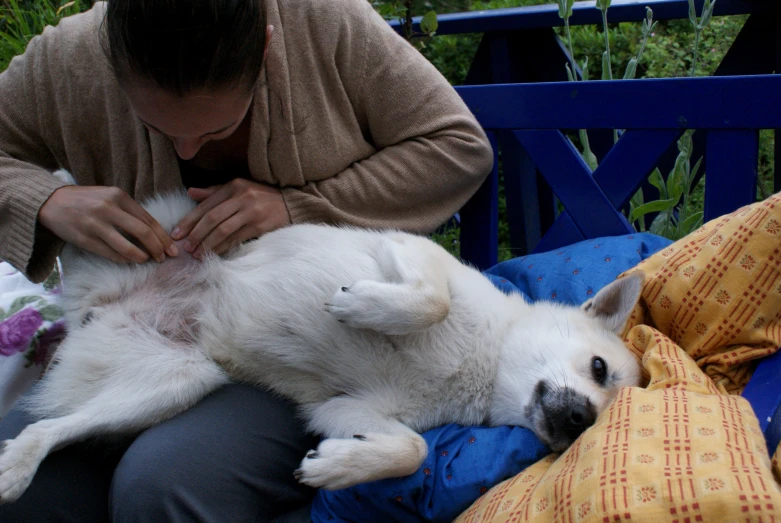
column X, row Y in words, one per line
column 324, row 16
column 343, row 7
column 325, row 27
column 73, row 46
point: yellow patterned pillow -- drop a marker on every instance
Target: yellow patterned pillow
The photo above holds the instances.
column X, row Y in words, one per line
column 717, row 292
column 676, row 451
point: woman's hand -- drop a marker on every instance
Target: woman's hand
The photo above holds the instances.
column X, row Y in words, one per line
column 92, row 217
column 230, row 214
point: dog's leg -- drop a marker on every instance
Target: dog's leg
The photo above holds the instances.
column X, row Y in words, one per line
column 414, row 297
column 363, row 445
column 137, row 385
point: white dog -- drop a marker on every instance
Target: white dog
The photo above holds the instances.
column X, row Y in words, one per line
column 376, row 335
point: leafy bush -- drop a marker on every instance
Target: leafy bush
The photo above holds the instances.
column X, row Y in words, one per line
column 21, row 20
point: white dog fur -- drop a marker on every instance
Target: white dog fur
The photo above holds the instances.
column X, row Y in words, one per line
column 376, row 335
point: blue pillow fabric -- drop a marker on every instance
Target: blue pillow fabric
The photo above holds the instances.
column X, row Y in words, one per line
column 573, row 274
column 463, row 462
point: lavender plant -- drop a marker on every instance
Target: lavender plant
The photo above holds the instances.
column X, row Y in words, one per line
column 675, row 216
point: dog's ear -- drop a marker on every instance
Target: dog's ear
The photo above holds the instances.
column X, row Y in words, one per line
column 614, row 303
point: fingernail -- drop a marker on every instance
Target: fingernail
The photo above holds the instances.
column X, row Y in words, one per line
column 176, row 233
column 197, row 254
column 172, row 250
column 161, row 258
column 187, row 246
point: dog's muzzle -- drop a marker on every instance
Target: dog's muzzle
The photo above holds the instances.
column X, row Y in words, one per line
column 561, row 415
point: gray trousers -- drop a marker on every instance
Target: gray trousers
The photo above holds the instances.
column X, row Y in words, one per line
column 229, row 458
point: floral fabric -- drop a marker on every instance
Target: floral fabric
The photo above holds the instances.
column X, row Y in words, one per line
column 31, row 326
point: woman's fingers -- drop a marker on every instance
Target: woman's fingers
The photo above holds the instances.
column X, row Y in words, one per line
column 232, row 231
column 185, row 226
column 218, row 222
column 136, row 221
column 97, row 246
column 122, row 246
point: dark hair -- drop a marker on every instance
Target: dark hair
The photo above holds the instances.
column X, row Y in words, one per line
column 186, row 45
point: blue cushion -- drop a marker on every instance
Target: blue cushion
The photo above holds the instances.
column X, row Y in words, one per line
column 573, row 274
column 465, row 461
column 462, row 463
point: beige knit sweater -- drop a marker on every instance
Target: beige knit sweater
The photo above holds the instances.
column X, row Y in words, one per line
column 351, row 122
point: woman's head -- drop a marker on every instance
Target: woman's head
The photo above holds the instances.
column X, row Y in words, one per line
column 185, row 46
column 189, row 67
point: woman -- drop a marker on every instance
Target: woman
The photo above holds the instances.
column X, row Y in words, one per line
column 272, row 113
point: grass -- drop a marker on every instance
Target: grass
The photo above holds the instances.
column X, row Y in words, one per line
column 21, row 20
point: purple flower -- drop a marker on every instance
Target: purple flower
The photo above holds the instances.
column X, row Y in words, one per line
column 17, row 332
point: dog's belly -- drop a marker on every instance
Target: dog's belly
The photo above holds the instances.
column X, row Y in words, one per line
column 292, row 345
column 171, row 298
column 260, row 315
column 282, row 337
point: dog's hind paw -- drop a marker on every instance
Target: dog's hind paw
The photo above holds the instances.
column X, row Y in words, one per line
column 355, row 305
column 337, row 464
column 18, row 463
column 368, row 304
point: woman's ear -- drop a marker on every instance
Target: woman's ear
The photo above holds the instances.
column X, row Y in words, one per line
column 269, row 32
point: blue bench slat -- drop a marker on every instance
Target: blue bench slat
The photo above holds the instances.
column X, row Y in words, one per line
column 735, row 102
column 479, row 224
column 562, row 233
column 630, row 162
column 623, row 170
column 570, row 178
column 521, row 193
column 731, row 176
column 583, row 13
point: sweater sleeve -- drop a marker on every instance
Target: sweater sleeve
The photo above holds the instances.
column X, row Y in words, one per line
column 25, row 165
column 431, row 154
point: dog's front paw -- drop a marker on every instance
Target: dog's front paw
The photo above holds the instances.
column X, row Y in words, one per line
column 338, row 464
column 357, row 305
column 18, row 463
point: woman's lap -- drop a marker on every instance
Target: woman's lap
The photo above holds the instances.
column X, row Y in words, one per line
column 229, row 458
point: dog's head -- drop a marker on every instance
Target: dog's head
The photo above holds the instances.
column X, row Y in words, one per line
column 562, row 366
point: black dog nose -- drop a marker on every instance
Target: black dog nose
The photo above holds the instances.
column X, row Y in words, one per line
column 581, row 416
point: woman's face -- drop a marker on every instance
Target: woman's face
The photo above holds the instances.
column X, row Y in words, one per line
column 190, row 120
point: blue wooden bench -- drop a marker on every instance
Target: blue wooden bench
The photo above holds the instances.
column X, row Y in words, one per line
column 517, row 89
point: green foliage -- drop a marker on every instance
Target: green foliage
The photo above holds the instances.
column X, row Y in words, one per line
column 21, row 20
column 677, row 216
column 669, row 52
column 450, row 239
column 404, row 11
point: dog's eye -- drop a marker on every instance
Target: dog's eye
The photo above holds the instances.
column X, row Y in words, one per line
column 598, row 370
